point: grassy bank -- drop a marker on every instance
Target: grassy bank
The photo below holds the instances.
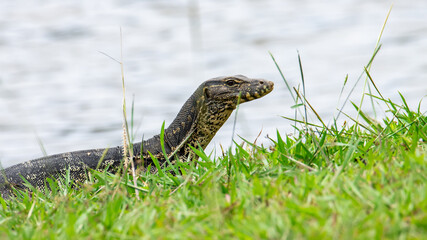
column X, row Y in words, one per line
column 363, row 180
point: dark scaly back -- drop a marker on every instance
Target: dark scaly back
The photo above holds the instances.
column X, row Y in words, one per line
column 37, row 170
column 196, row 124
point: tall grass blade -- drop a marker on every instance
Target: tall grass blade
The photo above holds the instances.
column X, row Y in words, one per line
column 235, row 121
column 162, row 144
column 312, row 109
column 283, row 77
column 302, row 122
column 376, row 49
column 127, row 143
column 303, row 85
column 357, row 82
column 373, row 83
column 41, row 145
column 342, row 89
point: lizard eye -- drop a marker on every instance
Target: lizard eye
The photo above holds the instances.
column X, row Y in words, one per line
column 231, row 82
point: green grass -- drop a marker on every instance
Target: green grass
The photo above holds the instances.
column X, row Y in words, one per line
column 361, row 181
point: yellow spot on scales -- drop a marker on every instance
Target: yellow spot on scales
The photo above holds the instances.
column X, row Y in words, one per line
column 176, row 130
column 249, row 97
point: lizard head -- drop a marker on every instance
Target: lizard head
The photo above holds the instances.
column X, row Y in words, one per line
column 233, row 90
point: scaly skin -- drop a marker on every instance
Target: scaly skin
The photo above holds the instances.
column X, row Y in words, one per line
column 196, row 124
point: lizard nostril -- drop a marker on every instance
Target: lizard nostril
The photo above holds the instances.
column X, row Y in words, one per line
column 261, row 82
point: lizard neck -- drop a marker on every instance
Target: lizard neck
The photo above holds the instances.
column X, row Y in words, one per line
column 177, row 133
column 195, row 125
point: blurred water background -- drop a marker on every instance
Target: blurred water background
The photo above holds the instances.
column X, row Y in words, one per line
column 55, row 84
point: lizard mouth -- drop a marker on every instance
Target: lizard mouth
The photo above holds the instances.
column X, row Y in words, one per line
column 257, row 90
